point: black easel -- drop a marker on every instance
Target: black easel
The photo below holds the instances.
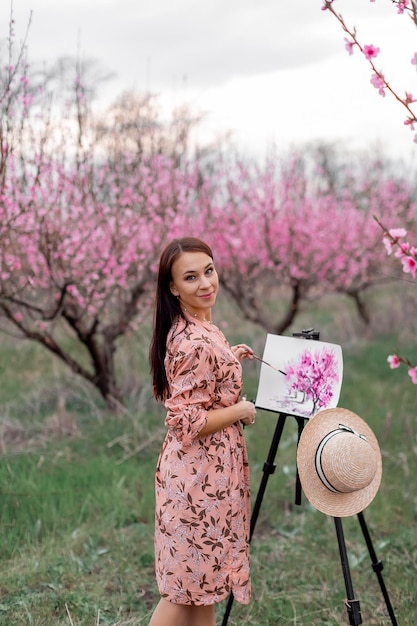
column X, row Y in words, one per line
column 352, row 604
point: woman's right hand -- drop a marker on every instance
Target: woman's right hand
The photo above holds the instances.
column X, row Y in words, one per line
column 248, row 412
column 217, row 419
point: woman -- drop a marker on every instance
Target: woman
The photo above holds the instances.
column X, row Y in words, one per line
column 202, row 479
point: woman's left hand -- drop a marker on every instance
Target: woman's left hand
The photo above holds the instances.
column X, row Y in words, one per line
column 242, row 351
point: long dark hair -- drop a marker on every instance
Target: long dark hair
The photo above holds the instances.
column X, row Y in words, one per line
column 167, row 308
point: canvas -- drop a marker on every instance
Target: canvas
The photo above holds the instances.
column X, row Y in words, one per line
column 299, row 376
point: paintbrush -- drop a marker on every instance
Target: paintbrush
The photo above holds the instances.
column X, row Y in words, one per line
column 258, row 358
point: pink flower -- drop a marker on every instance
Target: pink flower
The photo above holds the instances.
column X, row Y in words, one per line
column 388, row 244
column 349, row 45
column 402, row 5
column 397, row 232
column 409, row 264
column 403, row 248
column 378, row 82
column 414, row 59
column 394, row 361
column 371, row 52
column 393, row 233
column 413, row 375
column 326, row 5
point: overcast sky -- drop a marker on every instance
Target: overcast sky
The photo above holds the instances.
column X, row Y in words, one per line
column 270, row 71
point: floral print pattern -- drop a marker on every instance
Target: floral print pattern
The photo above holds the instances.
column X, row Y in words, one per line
column 202, row 483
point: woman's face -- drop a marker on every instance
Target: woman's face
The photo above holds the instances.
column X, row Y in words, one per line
column 195, row 281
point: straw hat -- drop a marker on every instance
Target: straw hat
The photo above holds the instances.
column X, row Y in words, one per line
column 339, row 462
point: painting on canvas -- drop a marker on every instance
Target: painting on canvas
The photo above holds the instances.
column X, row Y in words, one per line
column 299, row 376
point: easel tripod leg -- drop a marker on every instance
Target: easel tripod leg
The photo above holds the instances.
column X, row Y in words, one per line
column 377, row 566
column 268, row 469
column 353, row 607
column 298, row 489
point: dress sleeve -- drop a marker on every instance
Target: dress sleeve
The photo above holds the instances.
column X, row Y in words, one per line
column 192, row 378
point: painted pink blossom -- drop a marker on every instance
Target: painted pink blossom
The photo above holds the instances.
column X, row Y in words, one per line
column 371, row 52
column 315, row 374
column 413, row 375
column 414, row 59
column 394, row 361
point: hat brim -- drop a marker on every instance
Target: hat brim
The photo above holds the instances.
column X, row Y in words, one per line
column 326, row 501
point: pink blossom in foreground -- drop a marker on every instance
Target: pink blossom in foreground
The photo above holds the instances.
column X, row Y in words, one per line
column 326, row 5
column 403, row 249
column 378, row 82
column 392, row 238
column 371, row 52
column 409, row 263
column 349, row 45
column 402, row 5
column 394, row 361
column 397, row 232
column 413, row 375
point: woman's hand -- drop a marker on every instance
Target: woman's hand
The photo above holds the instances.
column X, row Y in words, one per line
column 248, row 412
column 242, row 411
column 242, row 351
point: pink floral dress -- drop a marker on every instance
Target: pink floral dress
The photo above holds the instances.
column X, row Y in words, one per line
column 202, row 483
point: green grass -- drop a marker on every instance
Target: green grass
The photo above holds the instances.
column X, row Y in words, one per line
column 76, row 491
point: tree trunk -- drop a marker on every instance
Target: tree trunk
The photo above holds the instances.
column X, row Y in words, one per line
column 360, row 306
column 101, row 349
column 253, row 309
column 292, row 311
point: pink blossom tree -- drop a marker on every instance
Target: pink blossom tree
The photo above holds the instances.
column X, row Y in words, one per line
column 82, row 222
column 79, row 249
column 290, row 230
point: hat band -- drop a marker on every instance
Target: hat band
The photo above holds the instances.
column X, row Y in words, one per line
column 319, row 468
